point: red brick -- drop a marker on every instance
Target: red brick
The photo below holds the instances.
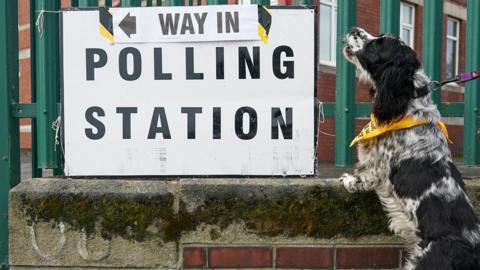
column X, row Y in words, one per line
column 25, row 80
column 451, row 96
column 455, row 132
column 304, row 257
column 66, row 3
column 240, row 257
column 194, row 257
column 24, row 39
column 25, row 140
column 368, row 15
column 325, row 147
column 418, row 32
column 23, row 12
column 325, row 87
column 357, row 257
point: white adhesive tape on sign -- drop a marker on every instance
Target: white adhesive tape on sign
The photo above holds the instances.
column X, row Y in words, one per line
column 189, row 108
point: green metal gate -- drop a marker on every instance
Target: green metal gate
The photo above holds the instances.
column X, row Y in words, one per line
column 45, row 69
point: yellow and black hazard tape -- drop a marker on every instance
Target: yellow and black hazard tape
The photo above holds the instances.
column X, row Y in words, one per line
column 264, row 23
column 106, row 23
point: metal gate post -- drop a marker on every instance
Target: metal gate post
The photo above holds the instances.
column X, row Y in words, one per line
column 176, row 3
column 131, row 3
column 432, row 38
column 260, row 2
column 87, row 3
column 390, row 16
column 217, row 2
column 47, row 74
column 471, row 147
column 36, row 172
column 9, row 129
column 345, row 88
column 308, row 2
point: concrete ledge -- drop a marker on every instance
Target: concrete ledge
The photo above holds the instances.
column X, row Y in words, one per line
column 145, row 224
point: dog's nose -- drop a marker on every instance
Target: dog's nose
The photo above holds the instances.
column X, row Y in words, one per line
column 348, row 50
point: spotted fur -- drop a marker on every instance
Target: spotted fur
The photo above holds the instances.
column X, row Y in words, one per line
column 411, row 170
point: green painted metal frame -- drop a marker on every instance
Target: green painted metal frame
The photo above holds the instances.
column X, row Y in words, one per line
column 47, row 74
column 389, row 16
column 217, row 2
column 260, row 2
column 345, row 87
column 304, row 2
column 87, row 3
column 131, row 3
column 36, row 171
column 471, row 146
column 432, row 37
column 9, row 127
column 175, row 2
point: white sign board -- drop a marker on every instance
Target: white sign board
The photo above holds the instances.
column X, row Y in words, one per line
column 231, row 107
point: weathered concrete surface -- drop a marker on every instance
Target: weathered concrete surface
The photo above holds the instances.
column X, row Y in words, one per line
column 55, row 243
column 142, row 224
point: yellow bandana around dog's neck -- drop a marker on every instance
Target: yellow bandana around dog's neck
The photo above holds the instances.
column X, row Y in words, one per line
column 373, row 129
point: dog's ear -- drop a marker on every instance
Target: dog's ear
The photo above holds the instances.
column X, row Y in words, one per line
column 395, row 87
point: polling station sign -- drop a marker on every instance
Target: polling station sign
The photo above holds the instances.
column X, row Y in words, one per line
column 188, row 91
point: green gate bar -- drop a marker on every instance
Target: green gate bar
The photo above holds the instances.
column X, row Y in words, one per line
column 9, row 128
column 432, row 38
column 175, row 2
column 304, row 2
column 308, row 2
column 260, row 2
column 217, row 2
column 88, row 3
column 471, row 147
column 390, row 16
column 345, row 87
column 47, row 73
column 131, row 3
column 36, row 172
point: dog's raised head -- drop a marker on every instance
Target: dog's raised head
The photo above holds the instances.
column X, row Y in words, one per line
column 389, row 66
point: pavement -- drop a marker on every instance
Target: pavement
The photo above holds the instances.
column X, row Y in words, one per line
column 325, row 170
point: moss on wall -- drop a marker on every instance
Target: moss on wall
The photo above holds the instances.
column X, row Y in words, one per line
column 134, row 218
column 320, row 213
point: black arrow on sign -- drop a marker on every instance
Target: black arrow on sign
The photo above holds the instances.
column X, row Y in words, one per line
column 129, row 25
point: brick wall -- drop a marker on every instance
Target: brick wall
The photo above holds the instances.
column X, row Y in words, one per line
column 293, row 257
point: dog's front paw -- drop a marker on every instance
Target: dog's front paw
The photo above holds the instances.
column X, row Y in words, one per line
column 349, row 182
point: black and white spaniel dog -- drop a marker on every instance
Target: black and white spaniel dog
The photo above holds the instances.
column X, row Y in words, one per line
column 411, row 169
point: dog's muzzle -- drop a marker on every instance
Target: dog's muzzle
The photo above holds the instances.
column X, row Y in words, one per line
column 355, row 40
